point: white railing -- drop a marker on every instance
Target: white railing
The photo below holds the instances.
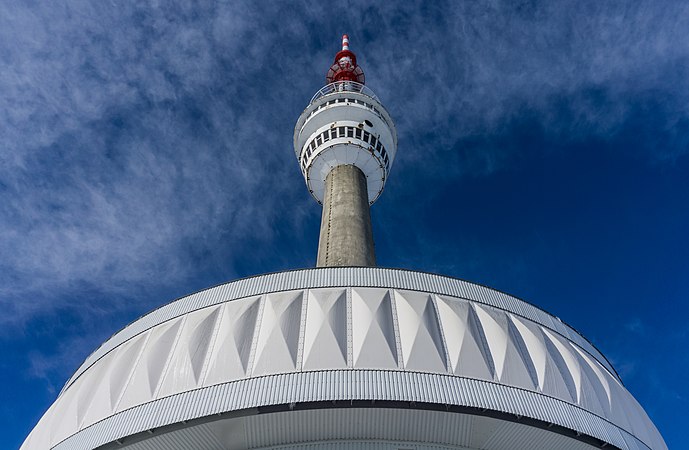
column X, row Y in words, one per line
column 344, row 86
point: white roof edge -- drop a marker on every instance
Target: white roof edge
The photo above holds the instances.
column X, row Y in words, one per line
column 341, row 277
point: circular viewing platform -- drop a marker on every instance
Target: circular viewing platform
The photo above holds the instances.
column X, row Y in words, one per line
column 343, row 86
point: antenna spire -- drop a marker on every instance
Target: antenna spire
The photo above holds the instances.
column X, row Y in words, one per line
column 344, row 67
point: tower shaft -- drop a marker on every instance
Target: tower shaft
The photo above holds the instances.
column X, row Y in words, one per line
column 346, row 238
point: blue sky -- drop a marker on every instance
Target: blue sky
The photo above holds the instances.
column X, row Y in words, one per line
column 146, row 153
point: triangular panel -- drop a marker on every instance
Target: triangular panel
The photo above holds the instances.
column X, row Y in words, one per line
column 453, row 314
column 278, row 337
column 465, row 339
column 518, row 370
column 495, row 332
column 89, row 384
column 151, row 365
column 325, row 336
column 594, row 394
column 189, row 354
column 600, row 373
column 114, row 381
column 229, row 358
column 559, row 377
column 373, row 333
column 422, row 345
column 533, row 340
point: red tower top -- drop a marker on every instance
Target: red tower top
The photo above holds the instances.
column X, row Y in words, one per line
column 345, row 68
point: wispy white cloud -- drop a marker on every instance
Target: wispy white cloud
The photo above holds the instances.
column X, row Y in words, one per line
column 124, row 145
column 576, row 69
column 132, row 133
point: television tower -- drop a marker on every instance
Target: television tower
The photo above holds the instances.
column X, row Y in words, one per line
column 345, row 142
column 344, row 358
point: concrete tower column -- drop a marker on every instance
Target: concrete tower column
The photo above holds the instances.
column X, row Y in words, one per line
column 346, row 237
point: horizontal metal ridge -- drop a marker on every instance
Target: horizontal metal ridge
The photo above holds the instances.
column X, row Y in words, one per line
column 376, row 385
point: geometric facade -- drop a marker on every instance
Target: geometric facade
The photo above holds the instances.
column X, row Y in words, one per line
column 280, row 358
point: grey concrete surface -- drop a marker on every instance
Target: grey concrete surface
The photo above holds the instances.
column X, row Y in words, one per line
column 346, row 237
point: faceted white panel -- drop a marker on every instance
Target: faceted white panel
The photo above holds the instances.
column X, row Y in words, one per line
column 149, row 369
column 619, row 408
column 533, row 340
column 188, row 357
column 453, row 317
column 519, row 369
column 325, row 337
column 229, row 358
column 422, row 345
column 373, row 333
column 559, row 381
column 496, row 338
column 569, row 359
column 39, row 438
column 599, row 372
column 412, row 330
column 512, row 363
column 112, row 383
column 278, row 337
column 464, row 339
column 592, row 395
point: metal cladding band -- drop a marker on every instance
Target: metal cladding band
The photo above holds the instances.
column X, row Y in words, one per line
column 358, row 425
column 343, row 334
column 346, row 238
column 328, row 386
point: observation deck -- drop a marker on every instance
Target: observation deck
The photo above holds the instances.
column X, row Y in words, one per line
column 345, row 124
column 344, row 86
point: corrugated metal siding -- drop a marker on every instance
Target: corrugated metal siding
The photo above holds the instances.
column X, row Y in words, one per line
column 392, row 322
column 199, row 436
column 359, row 429
column 342, row 277
column 356, row 384
column 165, row 366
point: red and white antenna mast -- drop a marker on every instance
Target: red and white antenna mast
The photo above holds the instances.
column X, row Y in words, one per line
column 345, row 67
